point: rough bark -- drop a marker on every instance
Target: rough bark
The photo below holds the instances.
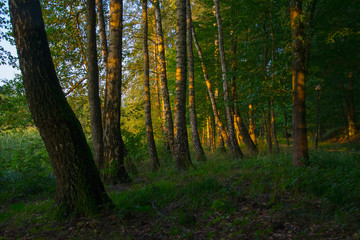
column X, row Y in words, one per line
column 114, row 148
column 164, row 87
column 199, row 152
column 148, row 121
column 79, row 191
column 182, row 154
column 300, row 145
column 235, row 149
column 93, row 86
column 218, row 122
column 102, row 30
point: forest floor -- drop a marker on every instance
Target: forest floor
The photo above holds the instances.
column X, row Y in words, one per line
column 257, row 198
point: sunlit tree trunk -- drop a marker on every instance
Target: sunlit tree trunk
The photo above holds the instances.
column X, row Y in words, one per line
column 164, row 87
column 252, row 124
column 239, row 123
column 199, row 152
column 93, row 86
column 148, row 121
column 114, row 148
column 218, row 122
column 235, row 149
column 79, row 191
column 182, row 155
column 300, row 145
column 102, row 30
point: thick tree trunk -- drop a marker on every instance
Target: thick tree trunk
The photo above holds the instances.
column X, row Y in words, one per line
column 235, row 149
column 218, row 122
column 164, row 87
column 93, row 86
column 79, row 191
column 114, row 148
column 102, row 30
column 300, row 145
column 182, row 154
column 199, row 152
column 148, row 121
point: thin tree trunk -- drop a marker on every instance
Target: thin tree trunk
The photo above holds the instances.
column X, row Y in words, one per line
column 79, row 190
column 114, row 148
column 235, row 149
column 102, row 30
column 273, row 127
column 182, row 154
column 252, row 124
column 250, row 146
column 93, row 86
column 300, row 145
column 199, row 152
column 218, row 122
column 267, row 115
column 164, row 87
column 148, row 121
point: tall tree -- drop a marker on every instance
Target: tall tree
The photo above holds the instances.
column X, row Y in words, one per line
column 223, row 136
column 250, row 145
column 236, row 152
column 182, row 155
column 93, row 85
column 148, row 121
column 102, row 30
column 79, row 191
column 199, row 152
column 169, row 126
column 114, row 148
column 300, row 146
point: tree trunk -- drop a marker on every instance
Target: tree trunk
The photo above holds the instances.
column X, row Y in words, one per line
column 93, row 86
column 114, row 148
column 79, row 191
column 250, row 146
column 349, row 109
column 235, row 149
column 273, row 129
column 148, row 121
column 252, row 124
column 218, row 122
column 102, row 30
column 164, row 87
column 182, row 154
column 199, row 152
column 300, row 145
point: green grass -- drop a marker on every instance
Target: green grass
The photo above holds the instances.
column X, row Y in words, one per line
column 215, row 191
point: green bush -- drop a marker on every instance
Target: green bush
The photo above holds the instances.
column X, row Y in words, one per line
column 24, row 165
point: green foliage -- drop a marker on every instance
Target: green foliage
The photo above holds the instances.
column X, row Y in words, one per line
column 24, row 166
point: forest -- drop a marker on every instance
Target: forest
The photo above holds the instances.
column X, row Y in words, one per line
column 180, row 119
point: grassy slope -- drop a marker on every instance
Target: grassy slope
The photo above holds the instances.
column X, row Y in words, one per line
column 255, row 198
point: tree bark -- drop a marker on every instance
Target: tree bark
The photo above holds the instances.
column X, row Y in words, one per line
column 218, row 122
column 114, row 148
column 250, row 146
column 300, row 145
column 79, row 191
column 102, row 30
column 164, row 87
column 235, row 149
column 182, row 154
column 148, row 121
column 93, row 86
column 252, row 124
column 199, row 152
